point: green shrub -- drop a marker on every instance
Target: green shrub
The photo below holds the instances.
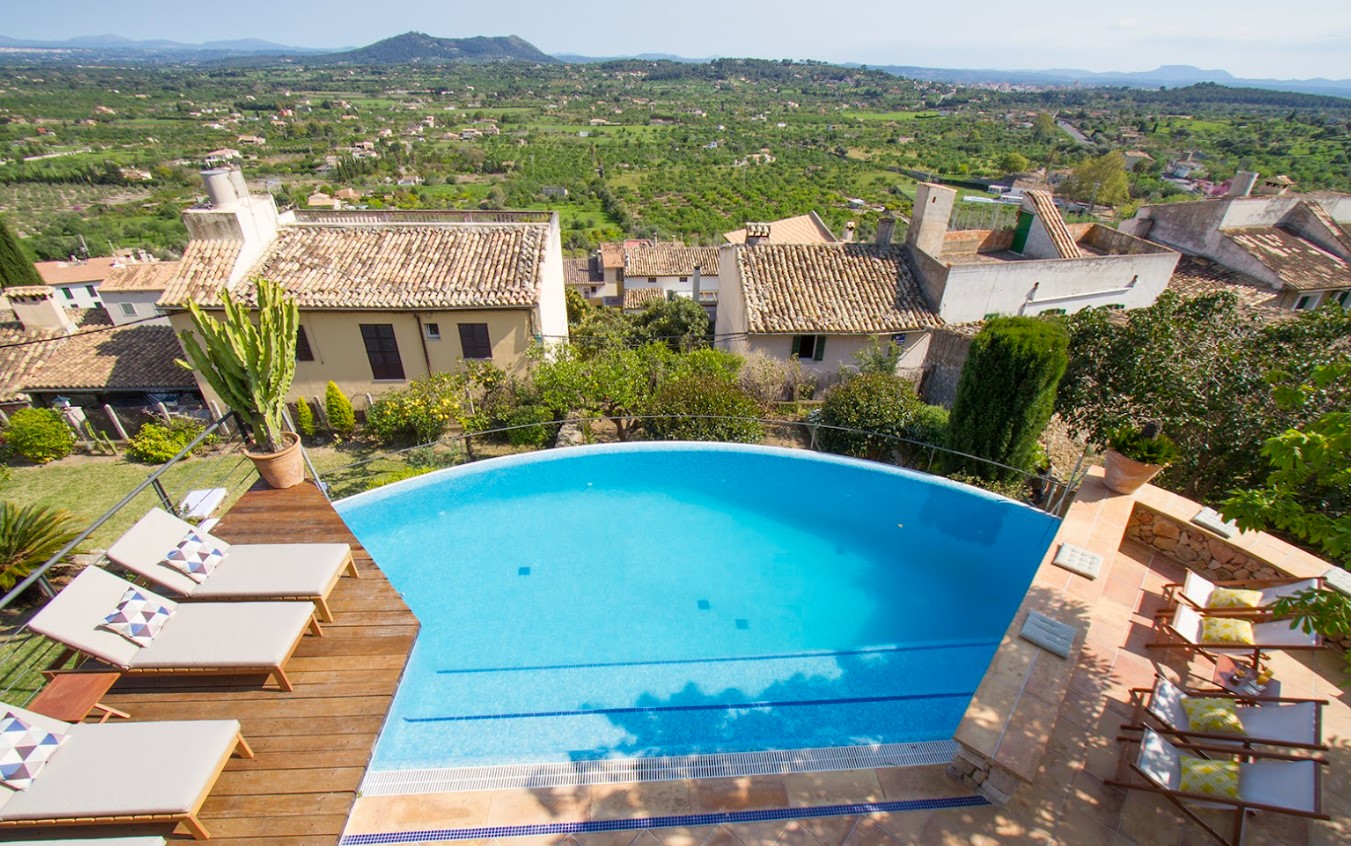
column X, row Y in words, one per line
column 1011, row 488
column 541, row 433
column 305, row 417
column 420, row 413
column 39, row 435
column 29, row 536
column 713, row 400
column 341, row 418
column 156, row 443
column 393, row 476
column 1006, row 393
column 883, row 406
column 1146, row 444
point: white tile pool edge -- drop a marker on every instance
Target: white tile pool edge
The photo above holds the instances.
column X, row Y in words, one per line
column 673, row 768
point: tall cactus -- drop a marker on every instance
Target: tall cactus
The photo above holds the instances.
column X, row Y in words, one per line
column 249, row 365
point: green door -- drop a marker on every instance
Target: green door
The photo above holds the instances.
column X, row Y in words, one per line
column 1020, row 232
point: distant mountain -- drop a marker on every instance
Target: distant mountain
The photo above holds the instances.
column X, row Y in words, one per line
column 420, row 48
column 578, row 59
column 1171, row 76
column 118, row 44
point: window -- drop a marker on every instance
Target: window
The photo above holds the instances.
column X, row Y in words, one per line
column 70, row 294
column 652, row 279
column 684, row 279
column 92, row 292
column 382, row 350
column 1342, row 298
column 811, row 347
column 433, row 331
column 303, row 351
column 128, row 309
column 1306, row 302
column 474, row 340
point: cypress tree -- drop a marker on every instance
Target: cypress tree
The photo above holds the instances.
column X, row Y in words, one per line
column 341, row 418
column 15, row 268
column 1007, row 392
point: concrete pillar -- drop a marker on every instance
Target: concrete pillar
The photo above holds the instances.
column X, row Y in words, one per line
column 929, row 223
column 117, row 423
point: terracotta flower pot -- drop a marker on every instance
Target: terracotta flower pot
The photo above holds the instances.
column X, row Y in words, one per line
column 283, row 469
column 1126, row 475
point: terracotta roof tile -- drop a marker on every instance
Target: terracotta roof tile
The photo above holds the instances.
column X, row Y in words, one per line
column 637, row 299
column 150, row 276
column 1340, row 231
column 1300, row 264
column 803, row 229
column 669, row 258
column 612, row 256
column 202, row 273
column 1195, row 276
column 468, row 266
column 128, row 358
column 73, row 272
column 830, row 288
column 17, row 362
column 581, row 271
column 1044, row 205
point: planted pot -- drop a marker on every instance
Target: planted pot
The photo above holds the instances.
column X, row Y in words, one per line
column 1126, row 475
column 283, row 469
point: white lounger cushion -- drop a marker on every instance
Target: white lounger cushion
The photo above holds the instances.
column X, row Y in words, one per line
column 248, row 570
column 1198, row 589
column 1276, row 633
column 237, row 634
column 111, row 769
column 1283, row 784
column 1289, row 722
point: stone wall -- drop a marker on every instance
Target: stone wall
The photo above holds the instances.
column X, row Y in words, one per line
column 982, row 775
column 1195, row 548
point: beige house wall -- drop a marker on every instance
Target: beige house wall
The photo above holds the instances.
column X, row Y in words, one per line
column 340, row 354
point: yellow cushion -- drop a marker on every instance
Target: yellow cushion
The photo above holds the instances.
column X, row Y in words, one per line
column 1214, row 716
column 1235, row 598
column 1226, row 630
column 1210, row 778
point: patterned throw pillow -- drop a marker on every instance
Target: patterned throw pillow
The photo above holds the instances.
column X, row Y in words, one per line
column 1226, row 630
column 1235, row 598
column 1213, row 716
column 194, row 557
column 138, row 618
column 1210, row 778
column 24, row 749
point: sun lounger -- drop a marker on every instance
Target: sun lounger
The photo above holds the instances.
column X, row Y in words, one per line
column 266, row 571
column 221, row 638
column 122, row 773
column 1291, row 723
column 1185, row 629
column 1280, row 784
column 1199, row 592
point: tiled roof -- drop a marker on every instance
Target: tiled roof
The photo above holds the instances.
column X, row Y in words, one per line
column 612, row 256
column 1044, row 205
column 127, row 358
column 669, row 258
column 1195, row 276
column 150, row 276
column 636, row 299
column 1300, row 264
column 1340, row 231
column 203, row 271
column 73, row 272
column 803, row 229
column 17, row 362
column 469, row 266
column 579, row 271
column 830, row 288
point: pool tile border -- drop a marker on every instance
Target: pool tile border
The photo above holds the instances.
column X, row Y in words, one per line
column 668, row 768
column 675, row 821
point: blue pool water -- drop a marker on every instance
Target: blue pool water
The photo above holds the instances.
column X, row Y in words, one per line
column 672, row 599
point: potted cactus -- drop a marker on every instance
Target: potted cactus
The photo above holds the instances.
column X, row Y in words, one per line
column 1136, row 454
column 250, row 366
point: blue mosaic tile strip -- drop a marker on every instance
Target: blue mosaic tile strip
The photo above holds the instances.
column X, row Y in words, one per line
column 686, row 820
column 875, row 650
column 709, row 706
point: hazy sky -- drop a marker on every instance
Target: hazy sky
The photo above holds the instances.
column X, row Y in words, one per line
column 1252, row 38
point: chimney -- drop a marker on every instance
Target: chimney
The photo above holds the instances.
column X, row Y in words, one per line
column 233, row 215
column 849, row 228
column 1242, row 184
column 694, row 284
column 756, row 233
column 929, row 222
column 886, row 227
column 220, row 189
column 37, row 309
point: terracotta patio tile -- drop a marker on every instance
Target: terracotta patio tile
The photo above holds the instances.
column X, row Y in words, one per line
column 738, row 794
column 830, row 831
column 653, row 798
column 551, row 804
column 870, row 832
column 758, row 834
column 617, row 838
column 805, row 789
column 681, row 836
column 932, row 782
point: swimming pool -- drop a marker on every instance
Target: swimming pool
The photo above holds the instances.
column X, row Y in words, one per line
column 689, row 599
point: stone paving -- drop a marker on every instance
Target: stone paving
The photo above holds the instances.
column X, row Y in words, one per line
column 1066, row 802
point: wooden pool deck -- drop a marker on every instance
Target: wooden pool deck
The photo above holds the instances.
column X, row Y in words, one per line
column 312, row 744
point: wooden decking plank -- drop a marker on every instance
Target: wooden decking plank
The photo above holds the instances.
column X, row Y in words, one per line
column 312, row 744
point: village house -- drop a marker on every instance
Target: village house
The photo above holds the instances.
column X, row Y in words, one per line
column 804, row 229
column 671, row 269
column 823, row 303
column 385, row 297
column 1041, row 265
column 76, row 282
column 1297, row 246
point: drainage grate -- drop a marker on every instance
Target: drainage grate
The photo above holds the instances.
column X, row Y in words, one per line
column 683, row 820
column 619, row 770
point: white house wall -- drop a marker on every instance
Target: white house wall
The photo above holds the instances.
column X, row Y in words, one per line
column 143, row 303
column 552, row 313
